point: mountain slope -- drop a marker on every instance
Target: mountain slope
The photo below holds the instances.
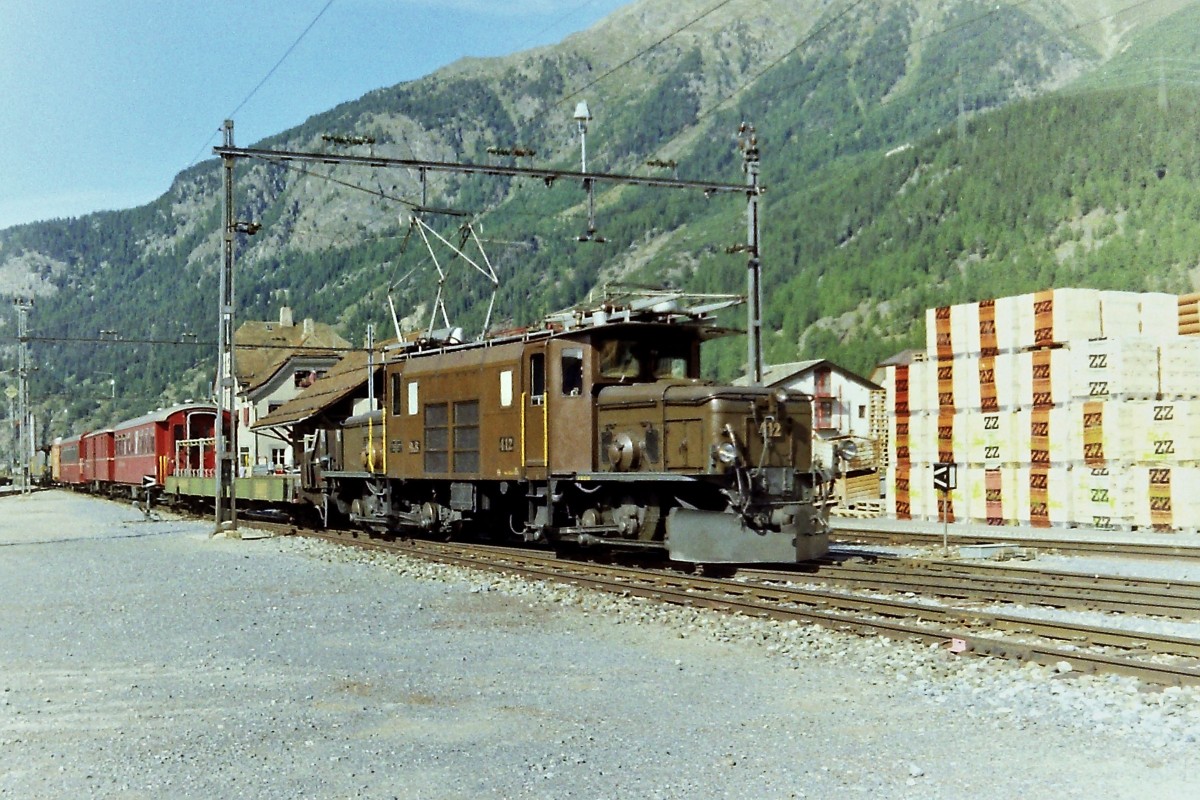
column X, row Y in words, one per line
column 1041, row 187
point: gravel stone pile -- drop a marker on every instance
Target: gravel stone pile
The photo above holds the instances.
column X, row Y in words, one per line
column 148, row 660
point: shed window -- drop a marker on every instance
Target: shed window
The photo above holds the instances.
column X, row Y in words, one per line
column 823, row 413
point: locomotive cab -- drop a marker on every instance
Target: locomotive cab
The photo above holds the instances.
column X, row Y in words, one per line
column 628, row 359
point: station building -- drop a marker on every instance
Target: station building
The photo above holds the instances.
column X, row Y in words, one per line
column 274, row 362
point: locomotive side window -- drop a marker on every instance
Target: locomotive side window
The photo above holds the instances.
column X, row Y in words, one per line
column 397, row 394
column 537, row 378
column 671, row 366
column 506, row 388
column 617, row 360
column 572, row 371
column 466, row 436
column 437, row 437
column 413, row 399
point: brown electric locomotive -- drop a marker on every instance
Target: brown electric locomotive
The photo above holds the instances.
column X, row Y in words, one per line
column 593, row 430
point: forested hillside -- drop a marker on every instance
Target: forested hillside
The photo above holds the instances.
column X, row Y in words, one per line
column 915, row 153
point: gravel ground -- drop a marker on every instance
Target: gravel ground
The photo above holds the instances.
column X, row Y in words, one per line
column 148, row 660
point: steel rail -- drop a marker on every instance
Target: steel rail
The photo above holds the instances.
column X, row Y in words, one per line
column 860, row 615
column 1122, row 595
column 1134, row 549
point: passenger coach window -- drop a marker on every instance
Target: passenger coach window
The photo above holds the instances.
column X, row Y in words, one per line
column 537, row 378
column 572, row 371
column 397, row 394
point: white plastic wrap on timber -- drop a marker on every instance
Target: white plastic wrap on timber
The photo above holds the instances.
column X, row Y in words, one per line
column 964, row 371
column 922, row 436
column 1165, row 498
column 1058, row 316
column 1179, row 366
column 912, row 438
column 896, row 503
column 1004, row 367
column 1102, row 368
column 908, row 495
column 932, row 330
column 1102, row 497
column 1120, row 314
column 944, row 437
column 1041, row 505
column 1156, row 431
column 1045, row 436
column 1042, row 377
column 922, row 386
column 971, row 328
column 991, row 439
column 921, row 497
column 1008, row 325
column 1158, row 315
column 991, row 493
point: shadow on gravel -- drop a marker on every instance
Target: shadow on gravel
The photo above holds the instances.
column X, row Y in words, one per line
column 78, row 539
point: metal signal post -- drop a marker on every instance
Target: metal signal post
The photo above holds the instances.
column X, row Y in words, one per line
column 25, row 443
column 748, row 142
column 225, row 468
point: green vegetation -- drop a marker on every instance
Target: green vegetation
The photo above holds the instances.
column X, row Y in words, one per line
column 876, row 207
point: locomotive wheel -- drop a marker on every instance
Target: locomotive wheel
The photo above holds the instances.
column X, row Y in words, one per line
column 432, row 521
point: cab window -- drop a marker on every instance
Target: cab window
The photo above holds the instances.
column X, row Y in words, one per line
column 617, row 360
column 670, row 366
column 537, row 378
column 572, row 371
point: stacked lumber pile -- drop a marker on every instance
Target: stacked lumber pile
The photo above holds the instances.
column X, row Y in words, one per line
column 1064, row 407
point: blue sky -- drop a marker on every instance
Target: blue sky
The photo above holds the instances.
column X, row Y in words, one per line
column 102, row 102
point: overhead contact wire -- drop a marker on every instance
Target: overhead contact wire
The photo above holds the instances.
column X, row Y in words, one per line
column 265, row 78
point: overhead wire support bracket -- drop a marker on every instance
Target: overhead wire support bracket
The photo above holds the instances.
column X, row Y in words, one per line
column 549, row 176
column 487, row 270
column 751, row 189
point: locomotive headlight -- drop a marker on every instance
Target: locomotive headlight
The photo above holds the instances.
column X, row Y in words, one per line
column 727, row 453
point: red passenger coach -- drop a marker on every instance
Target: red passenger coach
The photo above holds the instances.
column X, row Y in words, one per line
column 96, row 456
column 70, row 468
column 151, row 447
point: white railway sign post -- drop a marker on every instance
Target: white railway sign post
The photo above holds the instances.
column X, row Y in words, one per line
column 945, row 478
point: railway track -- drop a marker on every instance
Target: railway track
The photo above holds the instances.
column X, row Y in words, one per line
column 1153, row 658
column 985, row 582
column 1066, row 546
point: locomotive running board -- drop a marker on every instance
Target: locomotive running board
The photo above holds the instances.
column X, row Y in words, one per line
column 713, row 537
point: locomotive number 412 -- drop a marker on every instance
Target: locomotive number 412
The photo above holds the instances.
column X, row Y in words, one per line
column 508, row 444
column 771, row 429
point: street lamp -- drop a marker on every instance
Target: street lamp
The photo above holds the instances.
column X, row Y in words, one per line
column 582, row 117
